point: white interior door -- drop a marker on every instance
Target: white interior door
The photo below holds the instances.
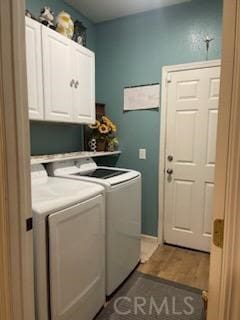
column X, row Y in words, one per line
column 58, row 77
column 84, row 87
column 77, row 261
column 34, row 69
column 192, row 112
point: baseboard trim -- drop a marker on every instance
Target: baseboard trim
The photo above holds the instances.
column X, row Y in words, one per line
column 148, row 245
column 150, row 238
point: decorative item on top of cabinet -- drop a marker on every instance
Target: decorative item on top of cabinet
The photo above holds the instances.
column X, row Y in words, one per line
column 80, row 33
column 30, row 15
column 65, row 24
column 47, row 17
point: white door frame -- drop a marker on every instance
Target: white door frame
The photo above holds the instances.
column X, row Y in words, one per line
column 163, row 118
column 16, row 243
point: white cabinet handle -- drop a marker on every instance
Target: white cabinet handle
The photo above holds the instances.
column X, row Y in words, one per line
column 76, row 84
column 72, row 83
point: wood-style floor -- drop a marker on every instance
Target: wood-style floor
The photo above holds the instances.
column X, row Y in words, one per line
column 179, row 265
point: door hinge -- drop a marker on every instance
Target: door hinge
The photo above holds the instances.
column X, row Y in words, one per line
column 205, row 299
column 218, row 232
column 29, row 224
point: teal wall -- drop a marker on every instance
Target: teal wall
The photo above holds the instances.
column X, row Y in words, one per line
column 47, row 138
column 50, row 138
column 132, row 51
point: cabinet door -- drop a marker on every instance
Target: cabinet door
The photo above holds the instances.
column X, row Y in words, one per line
column 77, row 261
column 34, row 69
column 84, row 88
column 57, row 74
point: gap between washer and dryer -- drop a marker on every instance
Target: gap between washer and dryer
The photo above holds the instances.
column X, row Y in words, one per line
column 148, row 246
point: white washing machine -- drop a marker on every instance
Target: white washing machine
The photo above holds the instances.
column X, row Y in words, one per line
column 69, row 247
column 123, row 213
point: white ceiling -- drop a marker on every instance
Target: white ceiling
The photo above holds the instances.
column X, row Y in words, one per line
column 102, row 10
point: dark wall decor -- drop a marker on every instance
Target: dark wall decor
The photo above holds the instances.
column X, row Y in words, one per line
column 80, row 33
column 100, row 111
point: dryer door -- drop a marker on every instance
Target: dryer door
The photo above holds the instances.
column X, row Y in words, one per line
column 77, row 260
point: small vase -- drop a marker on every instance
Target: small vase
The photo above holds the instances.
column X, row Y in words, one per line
column 101, row 145
column 92, row 145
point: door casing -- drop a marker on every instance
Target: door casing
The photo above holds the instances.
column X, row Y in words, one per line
column 163, row 118
column 16, row 244
column 224, row 280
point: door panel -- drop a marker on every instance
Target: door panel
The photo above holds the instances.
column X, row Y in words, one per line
column 208, row 207
column 183, row 204
column 34, row 69
column 212, row 137
column 185, row 131
column 84, row 89
column 214, row 88
column 192, row 112
column 187, row 90
column 77, row 261
column 57, row 70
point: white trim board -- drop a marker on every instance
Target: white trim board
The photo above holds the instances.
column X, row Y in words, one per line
column 163, row 111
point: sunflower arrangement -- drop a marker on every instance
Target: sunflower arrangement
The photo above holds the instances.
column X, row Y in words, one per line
column 104, row 131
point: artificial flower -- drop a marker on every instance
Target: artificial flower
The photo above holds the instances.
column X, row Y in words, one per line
column 96, row 125
column 113, row 127
column 109, row 123
column 106, row 120
column 103, row 128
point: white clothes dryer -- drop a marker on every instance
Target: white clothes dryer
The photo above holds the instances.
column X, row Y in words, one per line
column 69, row 247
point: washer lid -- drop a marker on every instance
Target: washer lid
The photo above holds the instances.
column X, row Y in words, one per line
column 59, row 193
column 82, row 166
column 50, row 194
column 103, row 173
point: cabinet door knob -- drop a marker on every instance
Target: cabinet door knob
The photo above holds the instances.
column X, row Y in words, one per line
column 76, row 84
column 72, row 83
column 169, row 171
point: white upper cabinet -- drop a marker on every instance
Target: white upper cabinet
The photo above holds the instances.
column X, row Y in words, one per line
column 34, row 69
column 57, row 73
column 84, row 85
column 61, row 77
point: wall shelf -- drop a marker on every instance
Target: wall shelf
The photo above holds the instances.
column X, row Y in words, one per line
column 71, row 156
